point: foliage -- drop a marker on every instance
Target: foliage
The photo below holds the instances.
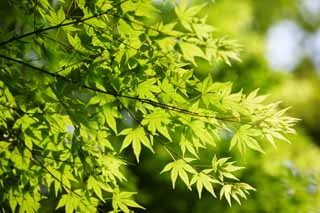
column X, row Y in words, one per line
column 286, row 181
column 82, row 81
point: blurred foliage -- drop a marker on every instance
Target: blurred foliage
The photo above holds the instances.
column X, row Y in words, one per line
column 248, row 21
column 303, row 95
column 287, row 179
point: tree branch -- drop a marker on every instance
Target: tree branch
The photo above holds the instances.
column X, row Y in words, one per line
column 114, row 94
column 38, row 161
column 38, row 31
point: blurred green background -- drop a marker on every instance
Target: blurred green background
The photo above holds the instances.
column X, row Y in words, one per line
column 280, row 42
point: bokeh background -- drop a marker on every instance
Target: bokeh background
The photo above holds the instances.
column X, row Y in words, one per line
column 280, row 54
column 280, row 42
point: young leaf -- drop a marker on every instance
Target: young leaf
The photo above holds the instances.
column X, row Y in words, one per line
column 203, row 180
column 136, row 137
column 244, row 137
column 121, row 200
column 190, row 51
column 109, row 115
column 180, row 168
column 226, row 192
column 158, row 121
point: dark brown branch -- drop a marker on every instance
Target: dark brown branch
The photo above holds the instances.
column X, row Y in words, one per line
column 142, row 100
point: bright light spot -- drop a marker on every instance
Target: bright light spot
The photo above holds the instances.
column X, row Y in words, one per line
column 70, row 129
column 167, row 1
column 33, row 58
column 284, row 45
column 313, row 48
column 128, row 119
column 310, row 10
column 158, row 1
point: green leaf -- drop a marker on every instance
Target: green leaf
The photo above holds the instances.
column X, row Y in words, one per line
column 102, row 139
column 103, row 5
column 75, row 42
column 70, row 201
column 109, row 115
column 61, row 15
column 171, row 92
column 123, row 200
column 81, row 3
column 28, row 143
column 56, row 18
column 136, row 137
column 187, row 145
column 200, row 131
column 203, row 180
column 244, row 137
column 224, row 168
column 94, row 184
column 186, row 15
column 180, row 168
column 4, row 146
column 190, row 51
column 158, row 121
column 147, row 89
column 226, row 192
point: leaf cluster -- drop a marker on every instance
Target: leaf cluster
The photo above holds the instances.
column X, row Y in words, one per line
column 81, row 81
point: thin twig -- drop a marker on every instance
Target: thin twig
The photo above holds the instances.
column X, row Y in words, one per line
column 38, row 161
column 142, row 100
column 38, row 31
